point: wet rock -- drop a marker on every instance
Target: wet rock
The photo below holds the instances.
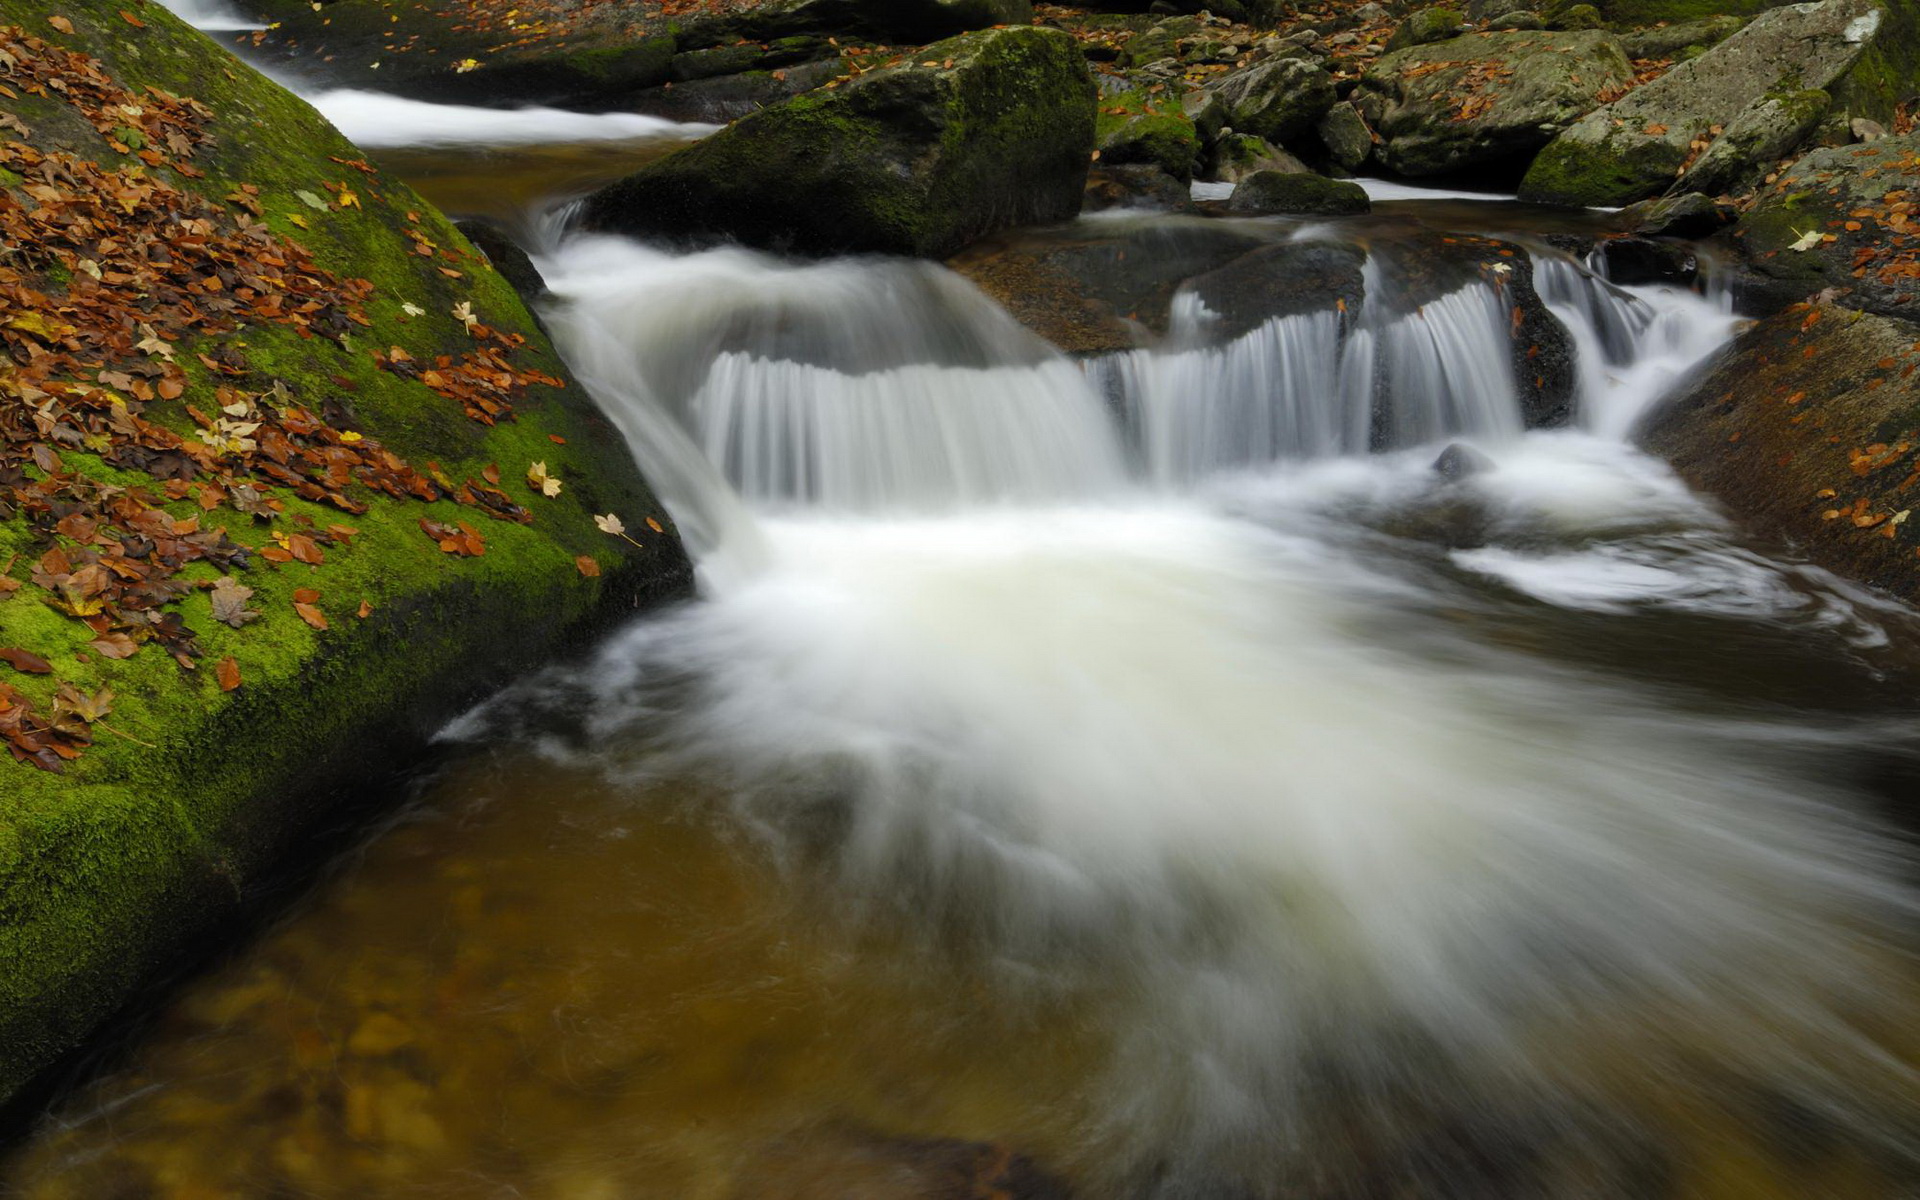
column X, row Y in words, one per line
column 1239, row 155
column 724, row 99
column 1344, row 134
column 1692, row 215
column 1674, row 41
column 1436, row 24
column 1783, row 241
column 1135, row 185
column 1091, row 291
column 1636, row 146
column 1806, row 428
column 1298, row 192
column 506, row 256
column 1634, row 260
column 1485, row 99
column 1461, row 461
column 1279, row 99
column 1283, row 280
column 908, row 159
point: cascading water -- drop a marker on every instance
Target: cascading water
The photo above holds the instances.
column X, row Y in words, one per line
column 1117, row 760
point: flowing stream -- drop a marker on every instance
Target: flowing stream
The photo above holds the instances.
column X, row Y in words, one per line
column 1150, row 768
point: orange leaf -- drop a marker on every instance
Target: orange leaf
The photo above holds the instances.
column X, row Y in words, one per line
column 366, row 610
column 306, row 596
column 588, row 566
column 227, row 672
column 61, row 23
column 132, row 20
column 311, row 615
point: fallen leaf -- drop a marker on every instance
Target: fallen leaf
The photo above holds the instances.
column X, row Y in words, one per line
column 610, row 524
column 230, row 602
column 26, row 662
column 227, row 672
column 311, row 615
column 588, row 566
column 61, row 23
column 115, row 645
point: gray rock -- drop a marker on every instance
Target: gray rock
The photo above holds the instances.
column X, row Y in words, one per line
column 1636, row 146
column 1239, row 155
column 1865, row 129
column 1460, row 461
column 1279, row 99
column 1757, row 138
column 1523, row 88
column 1667, row 41
column 1691, row 215
column 1343, row 131
column 1278, row 192
column 1517, row 20
column 1429, row 25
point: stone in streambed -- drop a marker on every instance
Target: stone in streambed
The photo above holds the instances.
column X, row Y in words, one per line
column 1279, row 192
column 1806, row 428
column 968, row 136
column 1487, row 99
column 1278, row 99
column 1238, row 155
column 1638, row 145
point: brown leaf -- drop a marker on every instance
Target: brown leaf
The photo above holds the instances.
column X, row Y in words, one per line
column 61, row 23
column 311, row 615
column 587, row 566
column 366, row 610
column 132, row 20
column 230, row 602
column 306, row 596
column 26, row 662
column 305, row 549
column 227, row 672
column 115, row 645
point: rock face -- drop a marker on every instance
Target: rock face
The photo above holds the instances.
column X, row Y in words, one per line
column 1138, row 128
column 1755, row 82
column 335, row 411
column 1485, row 99
column 1806, row 428
column 1838, row 219
column 909, row 159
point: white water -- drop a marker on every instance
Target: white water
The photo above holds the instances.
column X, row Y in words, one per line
column 212, row 16
column 377, row 120
column 1201, row 749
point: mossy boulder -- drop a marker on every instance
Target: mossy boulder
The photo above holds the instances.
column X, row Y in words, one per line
column 1345, row 136
column 1806, row 428
column 1137, row 127
column 1636, row 147
column 1756, row 141
column 1685, row 40
column 1279, row 99
column 1486, row 98
column 1429, row 25
column 228, row 743
column 1239, row 155
column 1301, row 192
column 965, row 137
column 1839, row 219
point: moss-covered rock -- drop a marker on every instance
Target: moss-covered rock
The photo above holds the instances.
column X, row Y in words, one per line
column 1756, row 141
column 966, row 137
column 1239, row 155
column 1137, row 127
column 1635, row 147
column 1486, row 98
column 1429, row 25
column 1839, row 219
column 193, row 788
column 1300, row 192
column 1279, row 99
column 1806, row 427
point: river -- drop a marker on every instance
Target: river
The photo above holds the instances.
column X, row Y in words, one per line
column 1131, row 771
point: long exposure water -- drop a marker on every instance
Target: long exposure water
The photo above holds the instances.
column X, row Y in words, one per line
column 1147, row 774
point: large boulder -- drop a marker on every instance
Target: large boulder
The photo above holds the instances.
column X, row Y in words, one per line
column 1140, row 127
column 281, row 509
column 1639, row 145
column 968, row 136
column 1278, row 99
column 1486, row 99
column 586, row 55
column 1806, row 428
column 1839, row 219
column 1298, row 193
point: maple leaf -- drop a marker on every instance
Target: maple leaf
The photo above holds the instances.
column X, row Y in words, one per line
column 1807, row 240
column 88, row 708
column 463, row 312
column 611, row 524
column 540, row 481
column 230, row 602
column 412, row 309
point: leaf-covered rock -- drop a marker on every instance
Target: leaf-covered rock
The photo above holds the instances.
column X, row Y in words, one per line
column 962, row 138
column 239, row 367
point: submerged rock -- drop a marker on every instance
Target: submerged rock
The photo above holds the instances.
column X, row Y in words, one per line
column 1806, row 428
column 1298, row 192
column 1487, row 99
column 908, row 159
column 333, row 411
column 1637, row 146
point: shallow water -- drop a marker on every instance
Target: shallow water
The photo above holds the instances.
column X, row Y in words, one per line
column 1056, row 779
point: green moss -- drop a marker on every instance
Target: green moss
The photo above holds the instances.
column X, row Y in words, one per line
column 1137, row 127
column 194, row 792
